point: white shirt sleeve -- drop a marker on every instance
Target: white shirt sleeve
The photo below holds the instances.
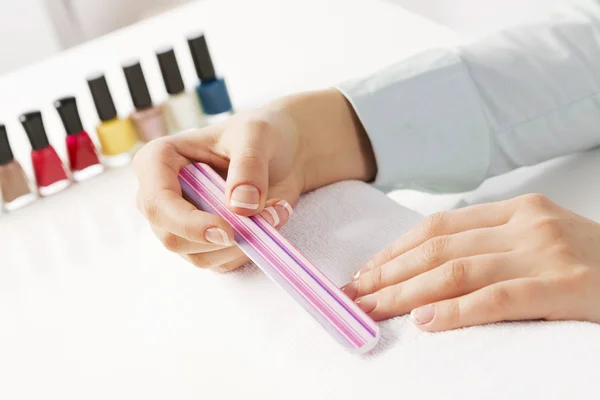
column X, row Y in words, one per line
column 447, row 119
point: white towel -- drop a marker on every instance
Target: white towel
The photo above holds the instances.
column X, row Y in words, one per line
column 239, row 335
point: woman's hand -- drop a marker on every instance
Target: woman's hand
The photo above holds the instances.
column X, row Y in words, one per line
column 269, row 156
column 525, row 258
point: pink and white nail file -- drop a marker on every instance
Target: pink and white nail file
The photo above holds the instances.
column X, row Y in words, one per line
column 283, row 263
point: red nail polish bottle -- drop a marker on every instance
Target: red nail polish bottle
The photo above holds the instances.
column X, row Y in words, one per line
column 49, row 171
column 83, row 156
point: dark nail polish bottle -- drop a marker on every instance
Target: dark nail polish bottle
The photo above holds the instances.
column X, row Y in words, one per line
column 212, row 90
column 83, row 156
column 49, row 171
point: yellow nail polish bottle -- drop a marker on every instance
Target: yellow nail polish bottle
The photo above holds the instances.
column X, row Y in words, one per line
column 117, row 136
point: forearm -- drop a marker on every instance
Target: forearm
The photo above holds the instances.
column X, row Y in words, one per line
column 447, row 119
column 335, row 146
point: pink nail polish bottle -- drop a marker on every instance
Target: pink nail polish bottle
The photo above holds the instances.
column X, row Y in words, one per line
column 148, row 119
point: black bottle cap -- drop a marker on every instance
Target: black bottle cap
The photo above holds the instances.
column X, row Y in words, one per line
column 34, row 126
column 201, row 57
column 102, row 98
column 6, row 154
column 137, row 86
column 67, row 109
column 170, row 71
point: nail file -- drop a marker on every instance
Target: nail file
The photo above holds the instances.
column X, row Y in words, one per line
column 283, row 263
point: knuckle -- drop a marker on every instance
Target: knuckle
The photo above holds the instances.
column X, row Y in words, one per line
column 198, row 261
column 535, row 201
column 564, row 251
column 376, row 278
column 203, row 261
column 149, row 208
column 432, row 226
column 500, row 299
column 550, row 227
column 452, row 312
column 171, row 241
column 257, row 126
column 157, row 148
column 455, row 275
column 395, row 298
column 433, row 249
column 388, row 254
column 190, row 227
column 250, row 159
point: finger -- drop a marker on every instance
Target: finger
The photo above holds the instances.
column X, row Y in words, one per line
column 446, row 223
column 232, row 265
column 277, row 212
column 177, row 244
column 429, row 256
column 160, row 199
column 214, row 259
column 522, row 299
column 248, row 173
column 455, row 278
column 199, row 145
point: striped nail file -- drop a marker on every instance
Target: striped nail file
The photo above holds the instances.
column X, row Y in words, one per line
column 283, row 263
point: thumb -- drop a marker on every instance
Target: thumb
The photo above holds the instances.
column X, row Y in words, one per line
column 248, row 175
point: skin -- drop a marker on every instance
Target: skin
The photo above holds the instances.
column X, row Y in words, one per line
column 524, row 258
column 291, row 146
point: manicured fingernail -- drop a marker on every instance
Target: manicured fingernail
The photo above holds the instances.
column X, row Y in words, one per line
column 217, row 236
column 423, row 315
column 367, row 267
column 245, row 196
column 274, row 217
column 351, row 290
column 368, row 303
column 287, row 206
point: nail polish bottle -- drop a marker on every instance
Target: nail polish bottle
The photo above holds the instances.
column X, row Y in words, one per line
column 182, row 110
column 212, row 90
column 148, row 119
column 50, row 173
column 14, row 185
column 83, row 156
column 117, row 136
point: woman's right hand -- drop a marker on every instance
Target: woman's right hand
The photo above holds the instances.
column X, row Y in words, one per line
column 269, row 157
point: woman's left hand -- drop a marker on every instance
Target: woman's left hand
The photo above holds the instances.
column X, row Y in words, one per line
column 524, row 258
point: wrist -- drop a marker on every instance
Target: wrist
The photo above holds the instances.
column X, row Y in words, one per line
column 333, row 143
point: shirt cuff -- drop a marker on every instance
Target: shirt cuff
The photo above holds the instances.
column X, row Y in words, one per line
column 425, row 122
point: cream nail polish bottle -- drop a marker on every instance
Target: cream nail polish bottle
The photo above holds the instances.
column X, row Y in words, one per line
column 148, row 119
column 182, row 110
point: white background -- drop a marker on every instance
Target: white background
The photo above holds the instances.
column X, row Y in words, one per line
column 91, row 306
column 32, row 30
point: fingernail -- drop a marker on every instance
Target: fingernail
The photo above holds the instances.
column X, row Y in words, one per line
column 367, row 267
column 423, row 315
column 245, row 196
column 351, row 290
column 274, row 217
column 287, row 206
column 217, row 236
column 368, row 303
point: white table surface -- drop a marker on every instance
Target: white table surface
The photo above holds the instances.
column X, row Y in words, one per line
column 67, row 263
